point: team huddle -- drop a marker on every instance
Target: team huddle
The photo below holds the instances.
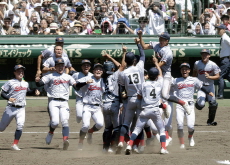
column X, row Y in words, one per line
column 124, row 98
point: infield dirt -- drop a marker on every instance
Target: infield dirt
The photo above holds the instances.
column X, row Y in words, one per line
column 212, row 142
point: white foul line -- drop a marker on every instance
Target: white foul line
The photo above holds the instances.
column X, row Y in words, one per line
column 102, row 132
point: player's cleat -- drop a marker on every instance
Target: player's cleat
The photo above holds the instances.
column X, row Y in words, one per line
column 182, row 146
column 89, row 138
column 15, row 147
column 191, row 142
column 149, row 140
column 65, row 144
column 187, row 108
column 135, row 149
column 164, row 151
column 110, row 150
column 80, row 146
column 168, row 141
column 49, row 138
column 119, row 147
column 166, row 110
column 212, row 123
column 128, row 150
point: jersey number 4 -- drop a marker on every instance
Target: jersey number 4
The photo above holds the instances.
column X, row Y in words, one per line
column 152, row 93
column 134, row 79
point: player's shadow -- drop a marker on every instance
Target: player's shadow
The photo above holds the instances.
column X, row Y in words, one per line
column 6, row 149
column 36, row 126
column 45, row 148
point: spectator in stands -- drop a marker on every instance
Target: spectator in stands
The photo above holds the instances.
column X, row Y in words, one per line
column 225, row 21
column 113, row 19
column 123, row 27
column 106, row 27
column 13, row 19
column 77, row 29
column 35, row 29
column 189, row 8
column 156, row 19
column 135, row 11
column 208, row 30
column 44, row 27
column 173, row 15
column 85, row 29
column 226, row 4
column 145, row 6
column 16, row 29
column 143, row 26
column 49, row 18
column 197, row 29
column 3, row 10
column 65, row 29
column 8, row 29
column 225, row 59
column 72, row 15
column 54, row 29
column 91, row 19
column 63, row 9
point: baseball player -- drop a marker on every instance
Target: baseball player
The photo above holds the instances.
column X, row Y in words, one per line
column 163, row 51
column 111, row 103
column 49, row 52
column 14, row 91
column 207, row 71
column 85, row 66
column 59, row 83
column 185, row 87
column 151, row 92
column 131, row 80
column 92, row 102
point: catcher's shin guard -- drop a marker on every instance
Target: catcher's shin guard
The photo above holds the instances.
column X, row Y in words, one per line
column 212, row 112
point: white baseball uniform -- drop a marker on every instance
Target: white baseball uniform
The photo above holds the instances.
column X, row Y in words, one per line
column 79, row 95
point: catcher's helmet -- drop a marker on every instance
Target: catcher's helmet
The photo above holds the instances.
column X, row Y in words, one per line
column 108, row 67
column 153, row 73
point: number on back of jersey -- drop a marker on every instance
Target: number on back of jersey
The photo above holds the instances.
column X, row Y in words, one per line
column 134, row 78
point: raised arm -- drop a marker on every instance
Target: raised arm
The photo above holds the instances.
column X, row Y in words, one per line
column 112, row 59
column 141, row 51
column 155, row 61
column 144, row 46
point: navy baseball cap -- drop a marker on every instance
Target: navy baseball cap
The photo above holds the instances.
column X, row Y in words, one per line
column 185, row 64
column 205, row 51
column 59, row 61
column 153, row 73
column 108, row 67
column 98, row 64
column 19, row 66
column 165, row 35
column 129, row 57
column 85, row 61
column 222, row 26
column 59, row 39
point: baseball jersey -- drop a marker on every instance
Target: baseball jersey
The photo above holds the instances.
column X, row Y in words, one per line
column 94, row 92
column 16, row 89
column 210, row 67
column 184, row 88
column 49, row 52
column 50, row 62
column 166, row 55
column 151, row 93
column 59, row 85
column 111, row 88
column 132, row 78
column 78, row 76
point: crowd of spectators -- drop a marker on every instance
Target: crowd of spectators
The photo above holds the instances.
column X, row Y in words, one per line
column 100, row 17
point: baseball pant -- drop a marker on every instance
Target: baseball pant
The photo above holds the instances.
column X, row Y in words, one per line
column 111, row 112
column 93, row 111
column 154, row 115
column 79, row 108
column 166, row 85
column 59, row 109
column 9, row 114
column 180, row 114
column 202, row 97
column 225, row 73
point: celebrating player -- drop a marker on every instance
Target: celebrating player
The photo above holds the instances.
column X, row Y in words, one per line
column 92, row 100
column 85, row 66
column 59, row 95
column 184, row 88
column 163, row 51
column 14, row 91
column 131, row 80
column 49, row 52
column 151, row 92
column 207, row 71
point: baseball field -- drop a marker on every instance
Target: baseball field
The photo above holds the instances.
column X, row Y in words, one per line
column 212, row 142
